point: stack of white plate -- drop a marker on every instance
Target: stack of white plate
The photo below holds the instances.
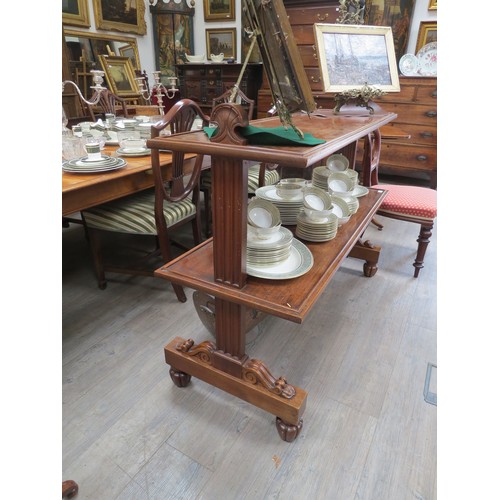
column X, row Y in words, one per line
column 320, row 177
column 288, row 207
column 269, row 251
column 85, row 166
column 316, row 229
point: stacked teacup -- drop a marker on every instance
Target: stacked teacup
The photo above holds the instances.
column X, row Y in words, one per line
column 316, row 222
column 267, row 241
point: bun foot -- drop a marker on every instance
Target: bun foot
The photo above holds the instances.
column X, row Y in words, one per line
column 69, row 489
column 180, row 379
column 288, row 432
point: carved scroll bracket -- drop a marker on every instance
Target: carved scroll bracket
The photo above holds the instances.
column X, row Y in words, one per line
column 229, row 117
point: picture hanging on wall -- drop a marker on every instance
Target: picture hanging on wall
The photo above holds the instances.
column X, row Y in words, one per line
column 118, row 15
column 219, row 10
column 75, row 13
column 427, row 33
column 222, row 40
column 173, row 39
column 394, row 13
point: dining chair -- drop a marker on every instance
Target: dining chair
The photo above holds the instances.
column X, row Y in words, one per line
column 259, row 174
column 403, row 202
column 155, row 212
column 108, row 103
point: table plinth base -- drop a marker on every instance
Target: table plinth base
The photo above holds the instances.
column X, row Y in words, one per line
column 259, row 388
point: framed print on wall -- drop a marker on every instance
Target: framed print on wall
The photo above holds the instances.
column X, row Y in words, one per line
column 221, row 40
column 118, row 15
column 120, row 75
column 394, row 13
column 427, row 33
column 218, row 10
column 433, row 5
column 351, row 56
column 75, row 13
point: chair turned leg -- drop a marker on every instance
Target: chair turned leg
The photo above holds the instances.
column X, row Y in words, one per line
column 179, row 291
column 377, row 223
column 95, row 247
column 423, row 241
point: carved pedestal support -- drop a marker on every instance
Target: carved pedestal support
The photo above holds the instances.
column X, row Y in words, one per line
column 256, row 385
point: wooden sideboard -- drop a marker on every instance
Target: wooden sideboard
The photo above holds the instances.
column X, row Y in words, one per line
column 415, row 104
column 205, row 81
column 416, row 107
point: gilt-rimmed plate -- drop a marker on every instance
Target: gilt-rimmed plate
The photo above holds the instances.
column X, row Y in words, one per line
column 137, row 152
column 298, row 263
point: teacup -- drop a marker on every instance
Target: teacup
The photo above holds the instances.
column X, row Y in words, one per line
column 93, row 150
column 132, row 145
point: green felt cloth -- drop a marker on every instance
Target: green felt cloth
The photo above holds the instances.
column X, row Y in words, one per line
column 274, row 136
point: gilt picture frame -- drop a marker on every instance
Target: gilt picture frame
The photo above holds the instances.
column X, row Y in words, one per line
column 427, row 33
column 120, row 75
column 221, row 40
column 219, row 10
column 131, row 52
column 75, row 13
column 352, row 56
column 111, row 15
column 433, row 5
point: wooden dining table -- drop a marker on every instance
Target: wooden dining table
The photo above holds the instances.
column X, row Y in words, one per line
column 82, row 191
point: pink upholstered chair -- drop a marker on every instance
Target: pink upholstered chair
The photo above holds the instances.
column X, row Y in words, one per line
column 406, row 203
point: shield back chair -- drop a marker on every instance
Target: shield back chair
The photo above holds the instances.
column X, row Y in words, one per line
column 108, row 103
column 259, row 174
column 406, row 203
column 155, row 212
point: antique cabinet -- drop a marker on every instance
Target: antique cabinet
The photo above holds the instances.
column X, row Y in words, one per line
column 415, row 104
column 416, row 107
column 202, row 82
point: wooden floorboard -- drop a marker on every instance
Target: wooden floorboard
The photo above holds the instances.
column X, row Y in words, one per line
column 362, row 353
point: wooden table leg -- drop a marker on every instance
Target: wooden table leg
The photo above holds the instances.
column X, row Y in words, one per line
column 369, row 253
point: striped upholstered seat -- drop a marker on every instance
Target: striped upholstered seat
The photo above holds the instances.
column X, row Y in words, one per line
column 135, row 214
column 154, row 213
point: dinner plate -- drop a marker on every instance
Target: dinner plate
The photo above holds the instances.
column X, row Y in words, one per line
column 67, row 167
column 142, row 152
column 409, row 64
column 298, row 263
column 427, row 57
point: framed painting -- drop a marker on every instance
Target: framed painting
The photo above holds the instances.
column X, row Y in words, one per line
column 394, row 13
column 433, row 4
column 221, row 40
column 219, row 10
column 75, row 13
column 352, row 56
column 173, row 38
column 427, row 33
column 120, row 75
column 130, row 51
column 118, row 15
